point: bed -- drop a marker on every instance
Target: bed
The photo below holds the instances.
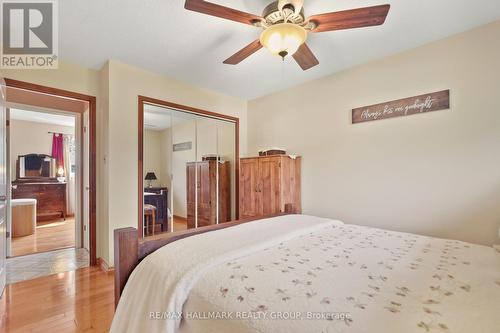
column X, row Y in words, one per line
column 298, row 273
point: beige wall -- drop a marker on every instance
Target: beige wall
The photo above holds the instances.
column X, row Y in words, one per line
column 125, row 84
column 152, row 155
column 103, row 232
column 166, row 157
column 181, row 132
column 68, row 76
column 27, row 137
column 436, row 174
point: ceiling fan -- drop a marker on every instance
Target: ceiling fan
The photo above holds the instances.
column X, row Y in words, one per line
column 286, row 28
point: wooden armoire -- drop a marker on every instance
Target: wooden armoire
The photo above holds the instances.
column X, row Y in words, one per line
column 204, row 188
column 267, row 184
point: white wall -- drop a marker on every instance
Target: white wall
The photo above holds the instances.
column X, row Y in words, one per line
column 436, row 174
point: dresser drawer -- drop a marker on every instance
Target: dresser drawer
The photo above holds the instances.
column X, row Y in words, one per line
column 51, row 197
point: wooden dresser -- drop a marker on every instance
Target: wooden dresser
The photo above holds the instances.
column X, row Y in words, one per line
column 207, row 192
column 267, row 184
column 50, row 197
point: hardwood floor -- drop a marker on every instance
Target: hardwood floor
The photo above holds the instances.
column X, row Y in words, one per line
column 51, row 235
column 179, row 223
column 36, row 265
column 76, row 301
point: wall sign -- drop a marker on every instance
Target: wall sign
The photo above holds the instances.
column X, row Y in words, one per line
column 403, row 107
column 183, row 146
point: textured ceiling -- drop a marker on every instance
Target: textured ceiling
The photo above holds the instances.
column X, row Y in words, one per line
column 161, row 36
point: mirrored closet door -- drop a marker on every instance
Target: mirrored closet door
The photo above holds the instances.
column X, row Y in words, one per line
column 188, row 169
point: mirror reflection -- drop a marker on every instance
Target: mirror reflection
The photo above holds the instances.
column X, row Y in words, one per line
column 36, row 166
column 188, row 170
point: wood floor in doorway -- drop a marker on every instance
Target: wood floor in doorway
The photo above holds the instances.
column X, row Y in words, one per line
column 76, row 301
column 49, row 236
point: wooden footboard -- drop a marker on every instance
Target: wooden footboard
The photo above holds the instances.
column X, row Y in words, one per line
column 129, row 250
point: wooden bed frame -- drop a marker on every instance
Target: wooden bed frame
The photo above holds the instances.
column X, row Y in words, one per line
column 129, row 250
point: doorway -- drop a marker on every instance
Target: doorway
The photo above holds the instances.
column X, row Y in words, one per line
column 51, row 171
column 44, row 174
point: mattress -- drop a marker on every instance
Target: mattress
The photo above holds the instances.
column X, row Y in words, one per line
column 300, row 273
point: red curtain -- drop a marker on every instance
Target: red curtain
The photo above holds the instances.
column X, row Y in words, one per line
column 58, row 150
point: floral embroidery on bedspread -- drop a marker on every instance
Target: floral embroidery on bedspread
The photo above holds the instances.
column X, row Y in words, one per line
column 357, row 271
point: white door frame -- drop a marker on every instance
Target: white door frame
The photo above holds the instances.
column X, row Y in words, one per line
column 85, row 145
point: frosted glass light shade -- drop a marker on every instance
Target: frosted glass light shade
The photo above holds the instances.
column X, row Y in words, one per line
column 283, row 39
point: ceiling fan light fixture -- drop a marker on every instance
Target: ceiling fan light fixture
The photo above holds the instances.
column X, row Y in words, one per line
column 283, row 39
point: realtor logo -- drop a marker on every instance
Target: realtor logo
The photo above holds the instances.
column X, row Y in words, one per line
column 29, row 34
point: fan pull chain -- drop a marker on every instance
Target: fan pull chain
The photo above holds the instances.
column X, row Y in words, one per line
column 283, row 70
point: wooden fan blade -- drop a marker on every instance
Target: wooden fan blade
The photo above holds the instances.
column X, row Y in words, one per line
column 305, row 58
column 244, row 53
column 204, row 7
column 349, row 19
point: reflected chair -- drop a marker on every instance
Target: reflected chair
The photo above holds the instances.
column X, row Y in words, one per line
column 149, row 218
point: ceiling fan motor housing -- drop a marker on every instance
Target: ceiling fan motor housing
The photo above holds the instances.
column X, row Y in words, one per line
column 273, row 15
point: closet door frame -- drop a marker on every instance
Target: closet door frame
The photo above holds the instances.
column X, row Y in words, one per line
column 143, row 100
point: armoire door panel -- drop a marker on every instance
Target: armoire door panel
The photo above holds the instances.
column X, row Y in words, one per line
column 224, row 200
column 205, row 190
column 249, row 182
column 204, row 183
column 290, row 183
column 269, row 185
column 191, row 186
column 204, row 216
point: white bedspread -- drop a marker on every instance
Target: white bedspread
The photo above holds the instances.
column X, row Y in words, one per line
column 305, row 274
